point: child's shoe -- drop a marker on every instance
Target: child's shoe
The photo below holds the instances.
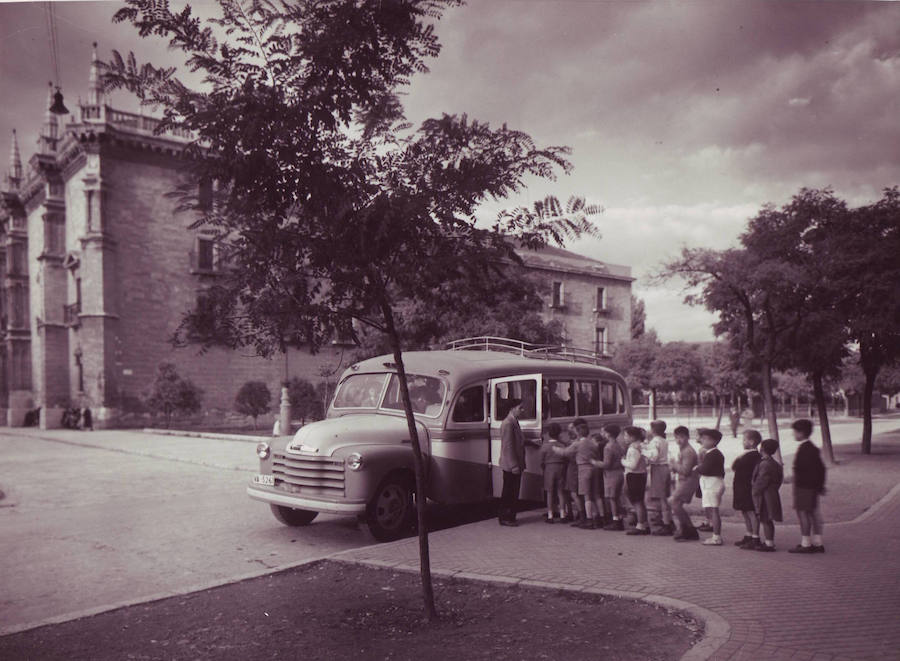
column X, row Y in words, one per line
column 744, row 542
column 765, row 548
column 818, row 548
column 549, row 519
column 705, row 527
column 802, row 549
column 688, row 537
column 715, row 540
column 638, row 531
column 615, row 524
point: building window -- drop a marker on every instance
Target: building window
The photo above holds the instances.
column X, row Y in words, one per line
column 17, row 259
column 600, row 345
column 206, row 254
column 19, row 306
column 20, row 366
column 205, row 194
column 600, row 303
column 559, row 295
column 54, row 236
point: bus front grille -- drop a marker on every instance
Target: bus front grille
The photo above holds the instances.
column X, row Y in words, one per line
column 313, row 476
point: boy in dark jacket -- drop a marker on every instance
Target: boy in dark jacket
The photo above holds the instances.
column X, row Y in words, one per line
column 767, row 478
column 742, row 497
column 809, row 484
column 712, row 482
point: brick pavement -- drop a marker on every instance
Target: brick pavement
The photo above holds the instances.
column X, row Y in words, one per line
column 843, row 604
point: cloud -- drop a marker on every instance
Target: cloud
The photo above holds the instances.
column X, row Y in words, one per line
column 798, row 102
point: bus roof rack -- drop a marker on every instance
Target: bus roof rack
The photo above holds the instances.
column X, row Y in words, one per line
column 527, row 349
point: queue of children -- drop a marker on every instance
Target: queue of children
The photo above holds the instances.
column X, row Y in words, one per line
column 598, row 481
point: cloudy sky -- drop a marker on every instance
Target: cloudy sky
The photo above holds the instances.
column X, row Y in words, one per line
column 683, row 118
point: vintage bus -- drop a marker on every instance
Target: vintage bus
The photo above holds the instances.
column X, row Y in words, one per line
column 358, row 461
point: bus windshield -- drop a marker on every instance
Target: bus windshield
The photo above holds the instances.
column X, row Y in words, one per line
column 360, row 391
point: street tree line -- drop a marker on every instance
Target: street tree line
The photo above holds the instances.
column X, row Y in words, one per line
column 811, row 284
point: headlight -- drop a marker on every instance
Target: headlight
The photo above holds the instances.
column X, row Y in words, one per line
column 354, row 461
column 263, row 451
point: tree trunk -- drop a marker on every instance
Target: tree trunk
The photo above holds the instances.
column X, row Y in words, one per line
column 718, row 405
column 821, row 405
column 418, row 464
column 769, row 405
column 652, row 403
column 845, row 403
column 868, row 391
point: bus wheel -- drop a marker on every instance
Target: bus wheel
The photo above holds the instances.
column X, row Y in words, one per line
column 391, row 512
column 292, row 517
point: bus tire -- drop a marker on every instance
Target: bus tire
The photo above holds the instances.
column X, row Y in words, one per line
column 291, row 517
column 391, row 512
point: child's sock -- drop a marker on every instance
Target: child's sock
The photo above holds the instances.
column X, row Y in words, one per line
column 617, row 518
column 756, row 537
column 770, row 542
column 817, row 540
column 804, row 541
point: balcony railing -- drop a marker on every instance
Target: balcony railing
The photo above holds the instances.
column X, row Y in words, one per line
column 71, row 314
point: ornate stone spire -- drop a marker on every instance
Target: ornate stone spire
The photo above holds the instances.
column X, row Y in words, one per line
column 50, row 129
column 95, row 87
column 14, row 174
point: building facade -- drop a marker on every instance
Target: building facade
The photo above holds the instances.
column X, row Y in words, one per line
column 98, row 269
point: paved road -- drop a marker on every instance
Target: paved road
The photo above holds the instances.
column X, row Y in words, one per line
column 84, row 527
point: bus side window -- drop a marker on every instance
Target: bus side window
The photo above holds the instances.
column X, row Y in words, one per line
column 621, row 398
column 608, row 396
column 469, row 405
column 509, row 391
column 588, row 398
column 562, row 399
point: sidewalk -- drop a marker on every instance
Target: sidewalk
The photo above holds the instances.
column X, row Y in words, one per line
column 837, row 606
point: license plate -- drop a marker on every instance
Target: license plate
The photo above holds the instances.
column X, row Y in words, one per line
column 264, row 480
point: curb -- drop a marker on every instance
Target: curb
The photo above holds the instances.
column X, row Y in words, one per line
column 159, row 596
column 716, row 632
column 244, row 438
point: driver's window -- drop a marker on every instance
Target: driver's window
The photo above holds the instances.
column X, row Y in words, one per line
column 507, row 393
column 469, row 405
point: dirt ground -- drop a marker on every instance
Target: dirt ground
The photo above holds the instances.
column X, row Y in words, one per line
column 331, row 610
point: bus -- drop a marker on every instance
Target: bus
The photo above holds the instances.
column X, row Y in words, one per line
column 358, row 461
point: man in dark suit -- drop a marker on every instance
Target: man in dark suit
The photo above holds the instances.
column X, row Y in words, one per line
column 512, row 463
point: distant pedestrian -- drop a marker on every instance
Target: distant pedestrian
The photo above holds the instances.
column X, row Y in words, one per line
column 87, row 419
column 512, row 463
column 734, row 418
column 809, row 484
column 660, row 478
column 712, row 482
column 742, row 496
column 767, row 478
column 553, row 466
column 687, row 483
column 635, row 464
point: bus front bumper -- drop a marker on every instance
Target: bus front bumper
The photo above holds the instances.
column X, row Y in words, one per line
column 304, row 502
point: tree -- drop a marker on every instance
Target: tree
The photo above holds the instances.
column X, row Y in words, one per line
column 253, row 399
column 333, row 212
column 306, row 401
column 862, row 250
column 636, row 361
column 638, row 317
column 171, row 394
column 722, row 374
column 678, row 367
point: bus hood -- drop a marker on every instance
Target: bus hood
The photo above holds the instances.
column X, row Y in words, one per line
column 324, row 437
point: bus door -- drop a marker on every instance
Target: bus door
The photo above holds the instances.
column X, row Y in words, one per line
column 505, row 391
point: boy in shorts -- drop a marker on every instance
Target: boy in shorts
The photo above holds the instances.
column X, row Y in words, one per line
column 686, row 484
column 585, row 451
column 712, row 482
column 635, row 464
column 660, row 486
column 554, row 468
column 613, row 476
column 809, row 484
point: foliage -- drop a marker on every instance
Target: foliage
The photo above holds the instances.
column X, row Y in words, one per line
column 513, row 310
column 172, row 393
column 638, row 317
column 306, row 400
column 636, row 360
column 722, row 372
column 253, row 399
column 331, row 210
column 678, row 367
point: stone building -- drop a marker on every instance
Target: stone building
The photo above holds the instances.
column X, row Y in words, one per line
column 98, row 270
